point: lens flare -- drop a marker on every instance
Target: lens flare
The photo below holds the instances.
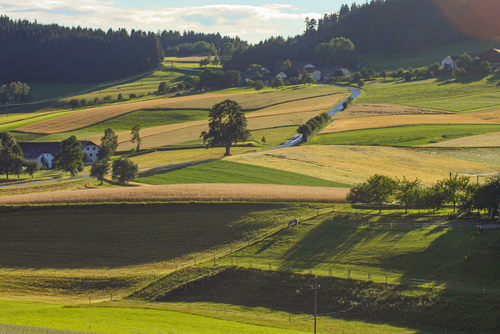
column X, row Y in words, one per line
column 478, row 18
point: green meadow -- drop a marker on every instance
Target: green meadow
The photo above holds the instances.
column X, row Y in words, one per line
column 229, row 172
column 394, row 61
column 404, row 136
column 468, row 94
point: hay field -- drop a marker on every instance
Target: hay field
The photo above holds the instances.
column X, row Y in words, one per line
column 359, row 119
column 89, row 117
column 284, row 114
column 484, row 140
column 355, row 164
column 187, row 192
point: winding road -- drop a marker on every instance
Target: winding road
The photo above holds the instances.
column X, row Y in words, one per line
column 295, row 140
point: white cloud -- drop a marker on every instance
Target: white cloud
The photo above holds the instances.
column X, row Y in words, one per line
column 252, row 23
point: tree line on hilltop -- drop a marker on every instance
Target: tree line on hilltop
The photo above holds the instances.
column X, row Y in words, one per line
column 375, row 26
column 51, row 53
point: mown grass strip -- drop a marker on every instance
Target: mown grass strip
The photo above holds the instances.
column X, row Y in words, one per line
column 230, row 172
column 407, row 136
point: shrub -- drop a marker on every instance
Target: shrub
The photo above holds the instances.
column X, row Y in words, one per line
column 132, row 96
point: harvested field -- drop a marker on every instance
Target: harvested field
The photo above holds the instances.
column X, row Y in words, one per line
column 484, row 140
column 84, row 118
column 372, row 122
column 188, row 192
column 285, row 114
column 355, row 164
column 367, row 110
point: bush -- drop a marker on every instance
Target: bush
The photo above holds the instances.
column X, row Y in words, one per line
column 132, row 96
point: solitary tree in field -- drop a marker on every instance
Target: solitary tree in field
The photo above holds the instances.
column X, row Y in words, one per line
column 162, row 87
column 136, row 138
column 227, row 126
column 74, row 103
column 124, row 170
column 70, row 158
column 99, row 169
column 277, row 83
column 258, row 85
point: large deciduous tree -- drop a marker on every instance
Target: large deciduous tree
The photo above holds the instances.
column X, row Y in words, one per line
column 110, row 139
column 70, row 158
column 227, row 126
column 124, row 170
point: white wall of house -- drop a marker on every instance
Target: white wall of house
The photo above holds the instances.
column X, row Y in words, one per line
column 448, row 62
column 91, row 152
column 281, row 75
column 316, row 75
column 346, row 72
column 45, row 160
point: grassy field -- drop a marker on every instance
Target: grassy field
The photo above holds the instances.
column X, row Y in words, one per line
column 46, row 174
column 403, row 136
column 131, row 318
column 91, row 254
column 354, row 164
column 54, row 186
column 464, row 95
column 394, row 61
column 229, row 172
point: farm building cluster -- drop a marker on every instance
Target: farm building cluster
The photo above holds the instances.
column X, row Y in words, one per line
column 297, row 68
column 44, row 153
column 492, row 56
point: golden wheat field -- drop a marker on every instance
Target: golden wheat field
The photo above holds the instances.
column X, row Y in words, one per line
column 84, row 118
column 484, row 140
column 284, row 114
column 355, row 164
column 187, row 192
column 353, row 122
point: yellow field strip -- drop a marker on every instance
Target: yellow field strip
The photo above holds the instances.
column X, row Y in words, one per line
column 93, row 116
column 355, row 164
column 373, row 122
column 484, row 140
column 187, row 192
column 286, row 114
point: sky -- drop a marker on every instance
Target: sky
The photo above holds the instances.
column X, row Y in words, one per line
column 251, row 21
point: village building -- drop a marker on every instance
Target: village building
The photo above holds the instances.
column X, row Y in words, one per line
column 492, row 56
column 313, row 72
column 45, row 152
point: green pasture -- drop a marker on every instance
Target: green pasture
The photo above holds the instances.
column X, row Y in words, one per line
column 45, row 174
column 394, row 61
column 464, row 95
column 146, row 118
column 132, row 318
column 273, row 136
column 405, row 136
column 229, row 172
column 362, row 243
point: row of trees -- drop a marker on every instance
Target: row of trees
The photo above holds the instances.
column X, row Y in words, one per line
column 15, row 92
column 314, row 125
column 456, row 190
column 11, row 158
column 123, row 169
column 37, row 52
column 468, row 66
column 210, row 79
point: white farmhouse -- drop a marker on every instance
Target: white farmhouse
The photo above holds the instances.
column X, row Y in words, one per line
column 45, row 152
column 313, row 72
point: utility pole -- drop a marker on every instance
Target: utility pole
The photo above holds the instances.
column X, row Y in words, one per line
column 316, row 287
